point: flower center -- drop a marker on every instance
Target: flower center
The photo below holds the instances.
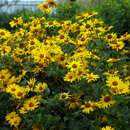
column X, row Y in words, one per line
column 115, row 83
column 107, row 98
column 31, row 104
column 87, row 105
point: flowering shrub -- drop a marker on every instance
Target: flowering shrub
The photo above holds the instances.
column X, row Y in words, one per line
column 63, row 75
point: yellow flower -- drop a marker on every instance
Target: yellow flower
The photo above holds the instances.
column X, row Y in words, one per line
column 116, row 44
column 113, row 81
column 16, row 21
column 35, row 26
column 12, row 88
column 13, row 119
column 91, row 77
column 31, row 104
column 70, row 77
column 16, row 91
column 64, row 96
column 31, row 84
column 74, row 102
column 87, row 107
column 107, row 128
column 51, row 23
column 111, row 72
column 23, row 110
column 20, row 93
column 44, row 7
column 40, row 87
column 51, row 3
column 74, row 65
column 110, row 37
column 4, row 75
column 106, row 101
column 90, row 14
column 4, row 34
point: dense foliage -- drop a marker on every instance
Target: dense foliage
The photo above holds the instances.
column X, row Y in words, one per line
column 67, row 74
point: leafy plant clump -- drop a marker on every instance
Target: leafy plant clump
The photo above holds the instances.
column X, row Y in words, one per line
column 63, row 74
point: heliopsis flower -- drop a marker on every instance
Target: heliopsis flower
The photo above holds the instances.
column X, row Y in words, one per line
column 114, row 91
column 111, row 72
column 74, row 65
column 23, row 110
column 44, row 7
column 70, row 77
column 80, row 73
column 106, row 101
column 64, row 96
column 91, row 13
column 62, row 60
column 4, row 75
column 51, row 3
column 51, row 23
column 16, row 21
column 35, row 27
column 20, row 93
column 12, row 88
column 113, row 81
column 91, row 77
column 4, row 34
column 40, row 87
column 88, row 107
column 110, row 37
column 5, row 50
column 31, row 84
column 13, row 119
column 74, row 102
column 108, row 28
column 116, row 44
column 107, row 128
column 31, row 104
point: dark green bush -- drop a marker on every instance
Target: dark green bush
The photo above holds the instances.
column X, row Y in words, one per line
column 116, row 13
column 68, row 10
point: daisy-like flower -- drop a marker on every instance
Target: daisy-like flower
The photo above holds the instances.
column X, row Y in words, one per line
column 23, row 110
column 113, row 81
column 107, row 128
column 31, row 104
column 91, row 77
column 70, row 77
column 13, row 119
column 64, row 96
column 44, row 7
column 20, row 93
column 16, row 21
column 4, row 34
column 106, row 101
column 31, row 84
column 4, row 75
column 110, row 37
column 74, row 65
column 52, row 3
column 12, row 88
column 87, row 107
column 40, row 87
column 73, row 102
column 111, row 72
